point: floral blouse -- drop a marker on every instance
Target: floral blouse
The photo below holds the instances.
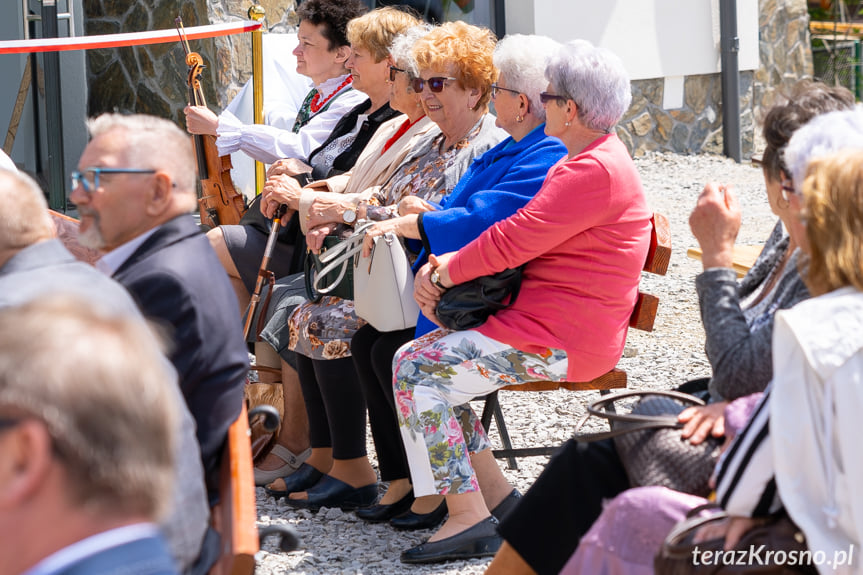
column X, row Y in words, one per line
column 323, row 330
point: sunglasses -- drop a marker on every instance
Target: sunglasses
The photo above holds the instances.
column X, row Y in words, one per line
column 393, row 71
column 495, row 89
column 546, row 97
column 88, row 178
column 435, row 84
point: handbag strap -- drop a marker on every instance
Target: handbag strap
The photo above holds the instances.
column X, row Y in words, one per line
column 634, row 422
column 339, row 256
column 677, row 545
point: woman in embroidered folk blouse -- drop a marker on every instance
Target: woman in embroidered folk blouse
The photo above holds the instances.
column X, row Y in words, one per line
column 455, row 76
column 583, row 239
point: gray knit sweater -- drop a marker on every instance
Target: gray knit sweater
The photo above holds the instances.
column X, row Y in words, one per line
column 740, row 351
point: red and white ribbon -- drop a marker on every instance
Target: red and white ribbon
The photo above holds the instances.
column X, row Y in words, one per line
column 125, row 39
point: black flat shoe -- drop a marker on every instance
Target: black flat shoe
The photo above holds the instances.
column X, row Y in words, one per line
column 481, row 540
column 332, row 492
column 508, row 504
column 379, row 513
column 411, row 520
column 303, row 478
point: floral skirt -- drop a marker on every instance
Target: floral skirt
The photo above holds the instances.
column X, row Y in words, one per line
column 323, row 330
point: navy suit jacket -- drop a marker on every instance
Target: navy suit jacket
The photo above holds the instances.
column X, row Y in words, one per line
column 147, row 556
column 178, row 281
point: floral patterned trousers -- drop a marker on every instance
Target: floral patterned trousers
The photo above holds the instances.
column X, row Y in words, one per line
column 434, row 378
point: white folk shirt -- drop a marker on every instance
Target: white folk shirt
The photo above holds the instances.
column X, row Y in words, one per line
column 268, row 144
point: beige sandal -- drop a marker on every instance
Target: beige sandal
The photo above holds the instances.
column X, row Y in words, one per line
column 292, row 463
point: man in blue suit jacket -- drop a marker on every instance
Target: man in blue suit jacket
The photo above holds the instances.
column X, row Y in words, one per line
column 87, row 430
column 135, row 189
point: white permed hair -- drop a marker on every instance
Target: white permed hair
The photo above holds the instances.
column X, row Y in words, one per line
column 595, row 79
column 401, row 49
column 822, row 136
column 521, row 60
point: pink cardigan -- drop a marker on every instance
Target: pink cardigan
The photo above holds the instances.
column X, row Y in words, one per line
column 584, row 237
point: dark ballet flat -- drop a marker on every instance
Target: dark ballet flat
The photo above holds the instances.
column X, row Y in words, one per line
column 379, row 513
column 332, row 492
column 481, row 540
column 410, row 520
column 303, row 478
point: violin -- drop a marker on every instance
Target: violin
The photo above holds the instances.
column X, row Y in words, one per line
column 219, row 203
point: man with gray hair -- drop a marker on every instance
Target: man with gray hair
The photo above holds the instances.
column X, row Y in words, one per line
column 35, row 265
column 135, row 189
column 86, row 447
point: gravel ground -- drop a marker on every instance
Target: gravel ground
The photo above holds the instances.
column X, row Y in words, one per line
column 338, row 542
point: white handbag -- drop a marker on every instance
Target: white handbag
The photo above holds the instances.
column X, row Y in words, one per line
column 384, row 286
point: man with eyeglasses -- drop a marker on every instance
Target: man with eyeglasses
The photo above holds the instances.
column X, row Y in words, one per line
column 85, row 446
column 135, row 189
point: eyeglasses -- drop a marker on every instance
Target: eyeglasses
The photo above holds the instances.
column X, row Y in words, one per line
column 436, row 84
column 495, row 89
column 546, row 97
column 393, row 71
column 88, row 178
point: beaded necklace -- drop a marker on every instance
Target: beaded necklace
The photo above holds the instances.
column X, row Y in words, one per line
column 315, row 105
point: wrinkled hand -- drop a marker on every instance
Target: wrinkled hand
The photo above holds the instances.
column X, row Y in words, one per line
column 413, row 205
column 324, row 209
column 288, row 167
column 715, row 222
column 280, row 190
column 377, row 230
column 201, row 120
column 702, row 421
column 426, row 293
column 315, row 237
column 731, row 529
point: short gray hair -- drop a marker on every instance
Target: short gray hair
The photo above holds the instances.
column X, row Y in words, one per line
column 154, row 143
column 24, row 218
column 595, row 79
column 101, row 386
column 521, row 60
column 402, row 48
column 822, row 136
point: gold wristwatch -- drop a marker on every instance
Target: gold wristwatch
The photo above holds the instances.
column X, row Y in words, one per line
column 435, row 279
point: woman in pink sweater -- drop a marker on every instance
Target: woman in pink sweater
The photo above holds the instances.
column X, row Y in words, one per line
column 583, row 238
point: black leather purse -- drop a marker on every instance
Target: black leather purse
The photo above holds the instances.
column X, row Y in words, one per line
column 468, row 305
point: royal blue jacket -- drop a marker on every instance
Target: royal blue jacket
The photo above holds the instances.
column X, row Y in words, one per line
column 495, row 186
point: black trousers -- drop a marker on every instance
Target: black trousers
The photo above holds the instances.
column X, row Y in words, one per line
column 549, row 521
column 334, row 405
column 373, row 352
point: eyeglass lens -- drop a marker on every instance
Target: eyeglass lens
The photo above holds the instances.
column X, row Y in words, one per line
column 435, row 84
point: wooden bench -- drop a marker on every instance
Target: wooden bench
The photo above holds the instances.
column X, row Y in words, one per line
column 743, row 259
column 235, row 516
column 642, row 318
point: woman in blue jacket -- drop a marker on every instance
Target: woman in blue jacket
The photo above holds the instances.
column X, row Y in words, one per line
column 495, row 186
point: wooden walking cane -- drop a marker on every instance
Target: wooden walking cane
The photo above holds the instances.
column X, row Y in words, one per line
column 259, row 393
column 264, row 274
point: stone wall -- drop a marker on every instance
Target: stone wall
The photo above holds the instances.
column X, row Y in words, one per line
column 152, row 79
column 697, row 127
